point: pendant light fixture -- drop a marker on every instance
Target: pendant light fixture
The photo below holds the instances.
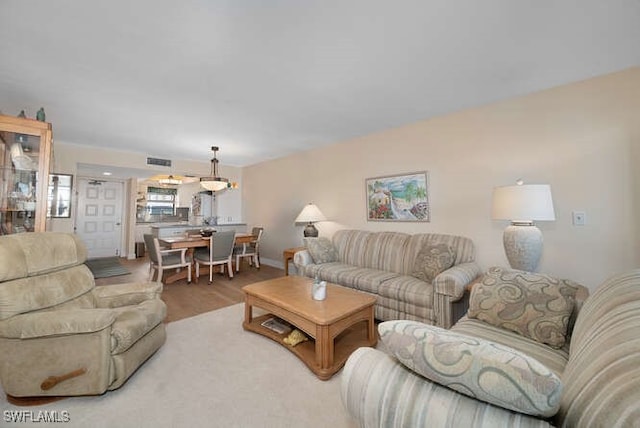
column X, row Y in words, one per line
column 214, row 182
column 171, row 180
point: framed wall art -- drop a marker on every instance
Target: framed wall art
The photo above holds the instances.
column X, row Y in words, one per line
column 398, row 198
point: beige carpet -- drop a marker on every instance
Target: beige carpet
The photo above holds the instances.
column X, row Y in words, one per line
column 210, row 373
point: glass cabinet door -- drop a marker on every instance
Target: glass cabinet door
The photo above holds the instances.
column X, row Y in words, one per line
column 25, row 152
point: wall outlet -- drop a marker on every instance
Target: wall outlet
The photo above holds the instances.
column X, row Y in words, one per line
column 579, row 218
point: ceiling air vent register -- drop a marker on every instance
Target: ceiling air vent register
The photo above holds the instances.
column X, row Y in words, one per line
column 157, row 161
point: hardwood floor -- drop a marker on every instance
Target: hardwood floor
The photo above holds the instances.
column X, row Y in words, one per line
column 186, row 300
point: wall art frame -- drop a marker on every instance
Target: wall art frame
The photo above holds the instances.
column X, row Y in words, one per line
column 401, row 197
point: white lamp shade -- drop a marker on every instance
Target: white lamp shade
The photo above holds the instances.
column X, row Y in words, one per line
column 214, row 184
column 309, row 214
column 523, row 203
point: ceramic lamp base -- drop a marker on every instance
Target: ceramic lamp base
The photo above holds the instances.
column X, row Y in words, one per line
column 310, row 231
column 523, row 246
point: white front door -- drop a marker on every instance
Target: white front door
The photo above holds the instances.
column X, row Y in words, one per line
column 99, row 217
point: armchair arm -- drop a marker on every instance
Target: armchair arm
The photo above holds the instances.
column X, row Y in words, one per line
column 378, row 390
column 56, row 323
column 131, row 293
column 452, row 282
column 450, row 302
column 183, row 256
column 302, row 258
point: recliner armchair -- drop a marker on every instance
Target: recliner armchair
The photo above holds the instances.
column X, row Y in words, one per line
column 61, row 335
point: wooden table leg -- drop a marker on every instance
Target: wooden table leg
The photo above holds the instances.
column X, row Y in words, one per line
column 372, row 335
column 248, row 313
column 324, row 347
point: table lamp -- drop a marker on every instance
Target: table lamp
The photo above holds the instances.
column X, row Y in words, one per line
column 523, row 204
column 310, row 214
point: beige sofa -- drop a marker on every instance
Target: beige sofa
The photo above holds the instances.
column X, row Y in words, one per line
column 419, row 277
column 595, row 375
column 60, row 335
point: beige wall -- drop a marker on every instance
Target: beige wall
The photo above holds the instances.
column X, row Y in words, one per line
column 582, row 139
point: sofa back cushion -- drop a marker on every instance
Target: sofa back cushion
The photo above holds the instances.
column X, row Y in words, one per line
column 602, row 374
column 462, row 247
column 351, row 245
column 395, row 251
column 385, row 251
column 36, row 253
column 374, row 250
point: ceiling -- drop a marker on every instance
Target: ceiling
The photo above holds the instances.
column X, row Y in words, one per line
column 264, row 79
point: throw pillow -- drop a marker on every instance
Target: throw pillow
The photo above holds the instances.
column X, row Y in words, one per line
column 475, row 367
column 432, row 260
column 321, row 250
column 533, row 305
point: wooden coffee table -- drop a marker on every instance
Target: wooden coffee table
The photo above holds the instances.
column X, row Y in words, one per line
column 337, row 326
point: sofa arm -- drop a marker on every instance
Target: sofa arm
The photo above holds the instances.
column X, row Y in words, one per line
column 56, row 323
column 452, row 282
column 302, row 258
column 378, row 391
column 132, row 293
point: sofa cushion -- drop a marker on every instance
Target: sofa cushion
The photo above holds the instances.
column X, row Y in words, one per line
column 475, row 367
column 408, row 289
column 432, row 260
column 462, row 247
column 555, row 359
column 534, row 305
column 321, row 250
column 387, row 309
column 350, row 276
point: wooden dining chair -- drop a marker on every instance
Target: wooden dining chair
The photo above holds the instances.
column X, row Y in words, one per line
column 219, row 253
column 163, row 259
column 250, row 249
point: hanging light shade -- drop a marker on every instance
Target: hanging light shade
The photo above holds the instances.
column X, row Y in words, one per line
column 170, row 180
column 214, row 182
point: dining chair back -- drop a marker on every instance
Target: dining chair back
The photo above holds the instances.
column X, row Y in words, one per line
column 161, row 260
column 219, row 253
column 251, row 249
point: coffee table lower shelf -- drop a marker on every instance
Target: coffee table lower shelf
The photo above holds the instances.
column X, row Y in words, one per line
column 344, row 344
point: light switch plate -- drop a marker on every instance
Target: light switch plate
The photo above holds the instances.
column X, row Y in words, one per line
column 579, row 218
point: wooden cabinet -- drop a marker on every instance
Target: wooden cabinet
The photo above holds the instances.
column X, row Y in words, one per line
column 25, row 159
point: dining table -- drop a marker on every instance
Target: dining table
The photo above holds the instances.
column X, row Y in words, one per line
column 191, row 242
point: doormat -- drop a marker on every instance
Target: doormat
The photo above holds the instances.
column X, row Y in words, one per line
column 105, row 267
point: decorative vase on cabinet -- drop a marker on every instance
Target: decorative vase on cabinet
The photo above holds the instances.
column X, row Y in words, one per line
column 25, row 161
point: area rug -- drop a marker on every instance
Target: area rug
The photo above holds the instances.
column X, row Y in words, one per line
column 210, row 373
column 105, row 267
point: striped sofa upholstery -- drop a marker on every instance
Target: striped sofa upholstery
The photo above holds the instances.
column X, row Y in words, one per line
column 599, row 369
column 381, row 263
